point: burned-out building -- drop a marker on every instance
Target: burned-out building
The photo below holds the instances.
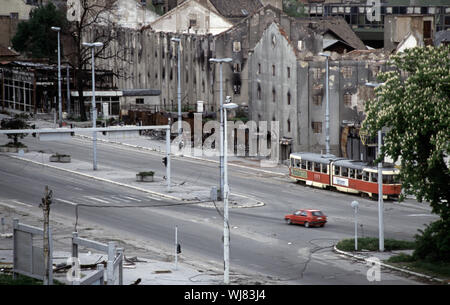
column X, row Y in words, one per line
column 287, row 84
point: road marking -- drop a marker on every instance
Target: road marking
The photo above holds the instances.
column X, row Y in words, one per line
column 154, row 198
column 7, row 205
column 422, row 215
column 21, row 203
column 120, row 199
column 131, row 198
column 67, row 201
column 97, row 199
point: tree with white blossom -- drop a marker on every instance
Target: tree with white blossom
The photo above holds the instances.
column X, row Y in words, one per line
column 414, row 104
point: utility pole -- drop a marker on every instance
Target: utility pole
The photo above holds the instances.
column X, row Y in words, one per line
column 94, row 107
column 220, row 61
column 45, row 205
column 177, row 40
column 58, row 29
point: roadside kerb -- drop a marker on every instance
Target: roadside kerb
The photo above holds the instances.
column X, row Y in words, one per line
column 258, row 203
column 102, row 179
column 362, row 258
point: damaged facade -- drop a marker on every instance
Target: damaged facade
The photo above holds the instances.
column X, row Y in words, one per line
column 288, row 85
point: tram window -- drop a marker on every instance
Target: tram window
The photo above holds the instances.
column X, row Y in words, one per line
column 344, row 172
column 365, row 176
column 374, row 177
column 389, row 179
column 297, row 163
column 352, row 173
column 358, row 174
column 309, row 165
column 303, row 164
column 325, row 168
column 337, row 170
column 317, row 167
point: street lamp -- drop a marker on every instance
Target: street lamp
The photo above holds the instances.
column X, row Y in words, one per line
column 226, row 227
column 177, row 40
column 380, row 185
column 221, row 61
column 94, row 108
column 355, row 205
column 327, row 109
column 58, row 30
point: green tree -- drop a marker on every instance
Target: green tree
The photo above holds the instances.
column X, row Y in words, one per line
column 34, row 36
column 294, row 8
column 413, row 103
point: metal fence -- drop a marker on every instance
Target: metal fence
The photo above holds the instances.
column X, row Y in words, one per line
column 29, row 252
column 114, row 266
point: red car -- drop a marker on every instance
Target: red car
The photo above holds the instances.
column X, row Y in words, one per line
column 307, row 218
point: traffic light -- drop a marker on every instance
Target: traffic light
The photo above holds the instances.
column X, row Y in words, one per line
column 178, row 248
column 164, row 161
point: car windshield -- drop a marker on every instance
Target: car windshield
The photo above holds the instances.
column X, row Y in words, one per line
column 317, row 213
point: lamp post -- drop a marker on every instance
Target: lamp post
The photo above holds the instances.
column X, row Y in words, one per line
column 177, row 40
column 327, row 109
column 380, row 186
column 226, row 227
column 94, row 107
column 220, row 61
column 58, row 30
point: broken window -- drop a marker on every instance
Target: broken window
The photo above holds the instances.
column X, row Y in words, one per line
column 317, row 100
column 258, row 92
column 347, row 100
column 347, row 72
column 316, row 127
column 316, row 73
column 236, row 46
column 289, row 98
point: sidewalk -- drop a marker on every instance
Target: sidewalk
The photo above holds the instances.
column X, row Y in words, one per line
column 185, row 191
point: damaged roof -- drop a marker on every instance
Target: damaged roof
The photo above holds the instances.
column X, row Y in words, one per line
column 236, row 8
column 337, row 26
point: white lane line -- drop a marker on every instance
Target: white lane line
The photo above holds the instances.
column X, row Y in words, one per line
column 120, row 199
column 21, row 203
column 422, row 215
column 131, row 198
column 154, row 198
column 98, row 199
column 67, row 201
column 7, row 205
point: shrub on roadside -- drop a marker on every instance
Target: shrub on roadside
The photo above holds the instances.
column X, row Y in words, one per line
column 433, row 244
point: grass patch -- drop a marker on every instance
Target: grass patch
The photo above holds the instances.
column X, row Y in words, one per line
column 435, row 269
column 7, row 279
column 372, row 244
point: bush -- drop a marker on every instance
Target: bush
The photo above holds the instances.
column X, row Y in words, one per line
column 401, row 258
column 434, row 243
column 144, row 174
column 372, row 244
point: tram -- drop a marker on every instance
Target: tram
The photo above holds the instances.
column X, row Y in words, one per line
column 331, row 172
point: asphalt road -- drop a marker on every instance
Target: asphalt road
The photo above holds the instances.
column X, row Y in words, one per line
column 260, row 240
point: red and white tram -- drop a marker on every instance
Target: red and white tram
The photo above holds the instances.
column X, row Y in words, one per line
column 329, row 171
